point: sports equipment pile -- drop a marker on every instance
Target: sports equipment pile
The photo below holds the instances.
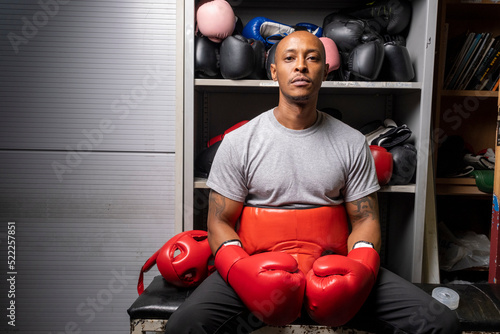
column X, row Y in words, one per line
column 363, row 42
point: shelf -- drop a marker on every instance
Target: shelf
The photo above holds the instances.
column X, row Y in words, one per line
column 201, row 183
column 473, row 2
column 406, row 188
column 467, row 93
column 345, row 87
column 458, row 186
column 294, row 4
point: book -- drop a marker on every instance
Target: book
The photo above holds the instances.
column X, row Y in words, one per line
column 492, row 79
column 473, row 53
column 492, row 74
column 465, row 60
column 477, row 56
column 489, row 60
column 490, row 70
column 487, row 50
column 465, row 42
column 495, row 88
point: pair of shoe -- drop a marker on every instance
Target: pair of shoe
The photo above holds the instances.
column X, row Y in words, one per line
column 485, row 159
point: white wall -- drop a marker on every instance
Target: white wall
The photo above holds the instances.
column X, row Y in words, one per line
column 87, row 157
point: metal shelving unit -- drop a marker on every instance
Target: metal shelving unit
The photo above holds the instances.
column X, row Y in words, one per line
column 212, row 105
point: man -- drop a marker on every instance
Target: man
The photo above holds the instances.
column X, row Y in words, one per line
column 285, row 186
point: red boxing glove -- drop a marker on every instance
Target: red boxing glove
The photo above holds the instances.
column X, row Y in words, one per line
column 337, row 286
column 383, row 164
column 269, row 284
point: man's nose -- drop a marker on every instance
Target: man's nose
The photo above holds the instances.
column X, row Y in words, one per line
column 301, row 65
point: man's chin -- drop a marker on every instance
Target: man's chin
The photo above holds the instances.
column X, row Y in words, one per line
column 298, row 98
column 302, row 98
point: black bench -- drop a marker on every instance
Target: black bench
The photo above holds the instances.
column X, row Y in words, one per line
column 478, row 311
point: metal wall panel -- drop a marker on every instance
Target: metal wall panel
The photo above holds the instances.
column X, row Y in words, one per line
column 87, row 158
column 87, row 67
column 80, row 242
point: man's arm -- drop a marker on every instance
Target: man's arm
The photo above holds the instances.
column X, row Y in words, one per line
column 339, row 285
column 364, row 218
column 256, row 278
column 222, row 216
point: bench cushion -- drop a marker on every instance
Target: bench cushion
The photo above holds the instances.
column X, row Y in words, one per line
column 159, row 300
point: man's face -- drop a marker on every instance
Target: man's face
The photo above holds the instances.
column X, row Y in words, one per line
column 299, row 66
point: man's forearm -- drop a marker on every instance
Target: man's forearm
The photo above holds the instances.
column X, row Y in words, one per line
column 368, row 231
column 216, row 236
column 364, row 218
column 222, row 216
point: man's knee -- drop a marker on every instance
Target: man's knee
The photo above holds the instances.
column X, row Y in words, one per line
column 434, row 318
column 449, row 323
column 185, row 320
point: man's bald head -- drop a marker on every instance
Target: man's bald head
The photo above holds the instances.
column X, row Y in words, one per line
column 300, row 65
column 304, row 37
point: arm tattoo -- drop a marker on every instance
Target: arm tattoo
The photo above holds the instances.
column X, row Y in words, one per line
column 217, row 204
column 365, row 207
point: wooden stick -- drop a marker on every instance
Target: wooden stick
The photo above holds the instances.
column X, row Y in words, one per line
column 494, row 268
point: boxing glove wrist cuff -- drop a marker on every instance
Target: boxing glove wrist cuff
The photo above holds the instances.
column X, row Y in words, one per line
column 362, row 243
column 226, row 257
column 367, row 256
column 234, row 242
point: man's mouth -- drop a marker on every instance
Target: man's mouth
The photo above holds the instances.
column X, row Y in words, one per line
column 300, row 80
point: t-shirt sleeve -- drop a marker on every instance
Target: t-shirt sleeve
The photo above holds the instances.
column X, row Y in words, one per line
column 226, row 174
column 362, row 176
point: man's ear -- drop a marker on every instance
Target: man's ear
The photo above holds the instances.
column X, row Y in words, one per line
column 273, row 72
column 327, row 66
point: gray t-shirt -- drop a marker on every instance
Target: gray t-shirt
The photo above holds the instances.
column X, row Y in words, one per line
column 264, row 163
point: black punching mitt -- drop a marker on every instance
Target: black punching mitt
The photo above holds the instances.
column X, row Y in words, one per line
column 386, row 16
column 237, row 59
column 259, row 66
column 204, row 160
column 270, row 60
column 344, row 30
column 404, row 164
column 397, row 64
column 366, row 60
column 206, row 53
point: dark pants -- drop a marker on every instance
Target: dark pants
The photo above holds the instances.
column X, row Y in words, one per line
column 394, row 306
